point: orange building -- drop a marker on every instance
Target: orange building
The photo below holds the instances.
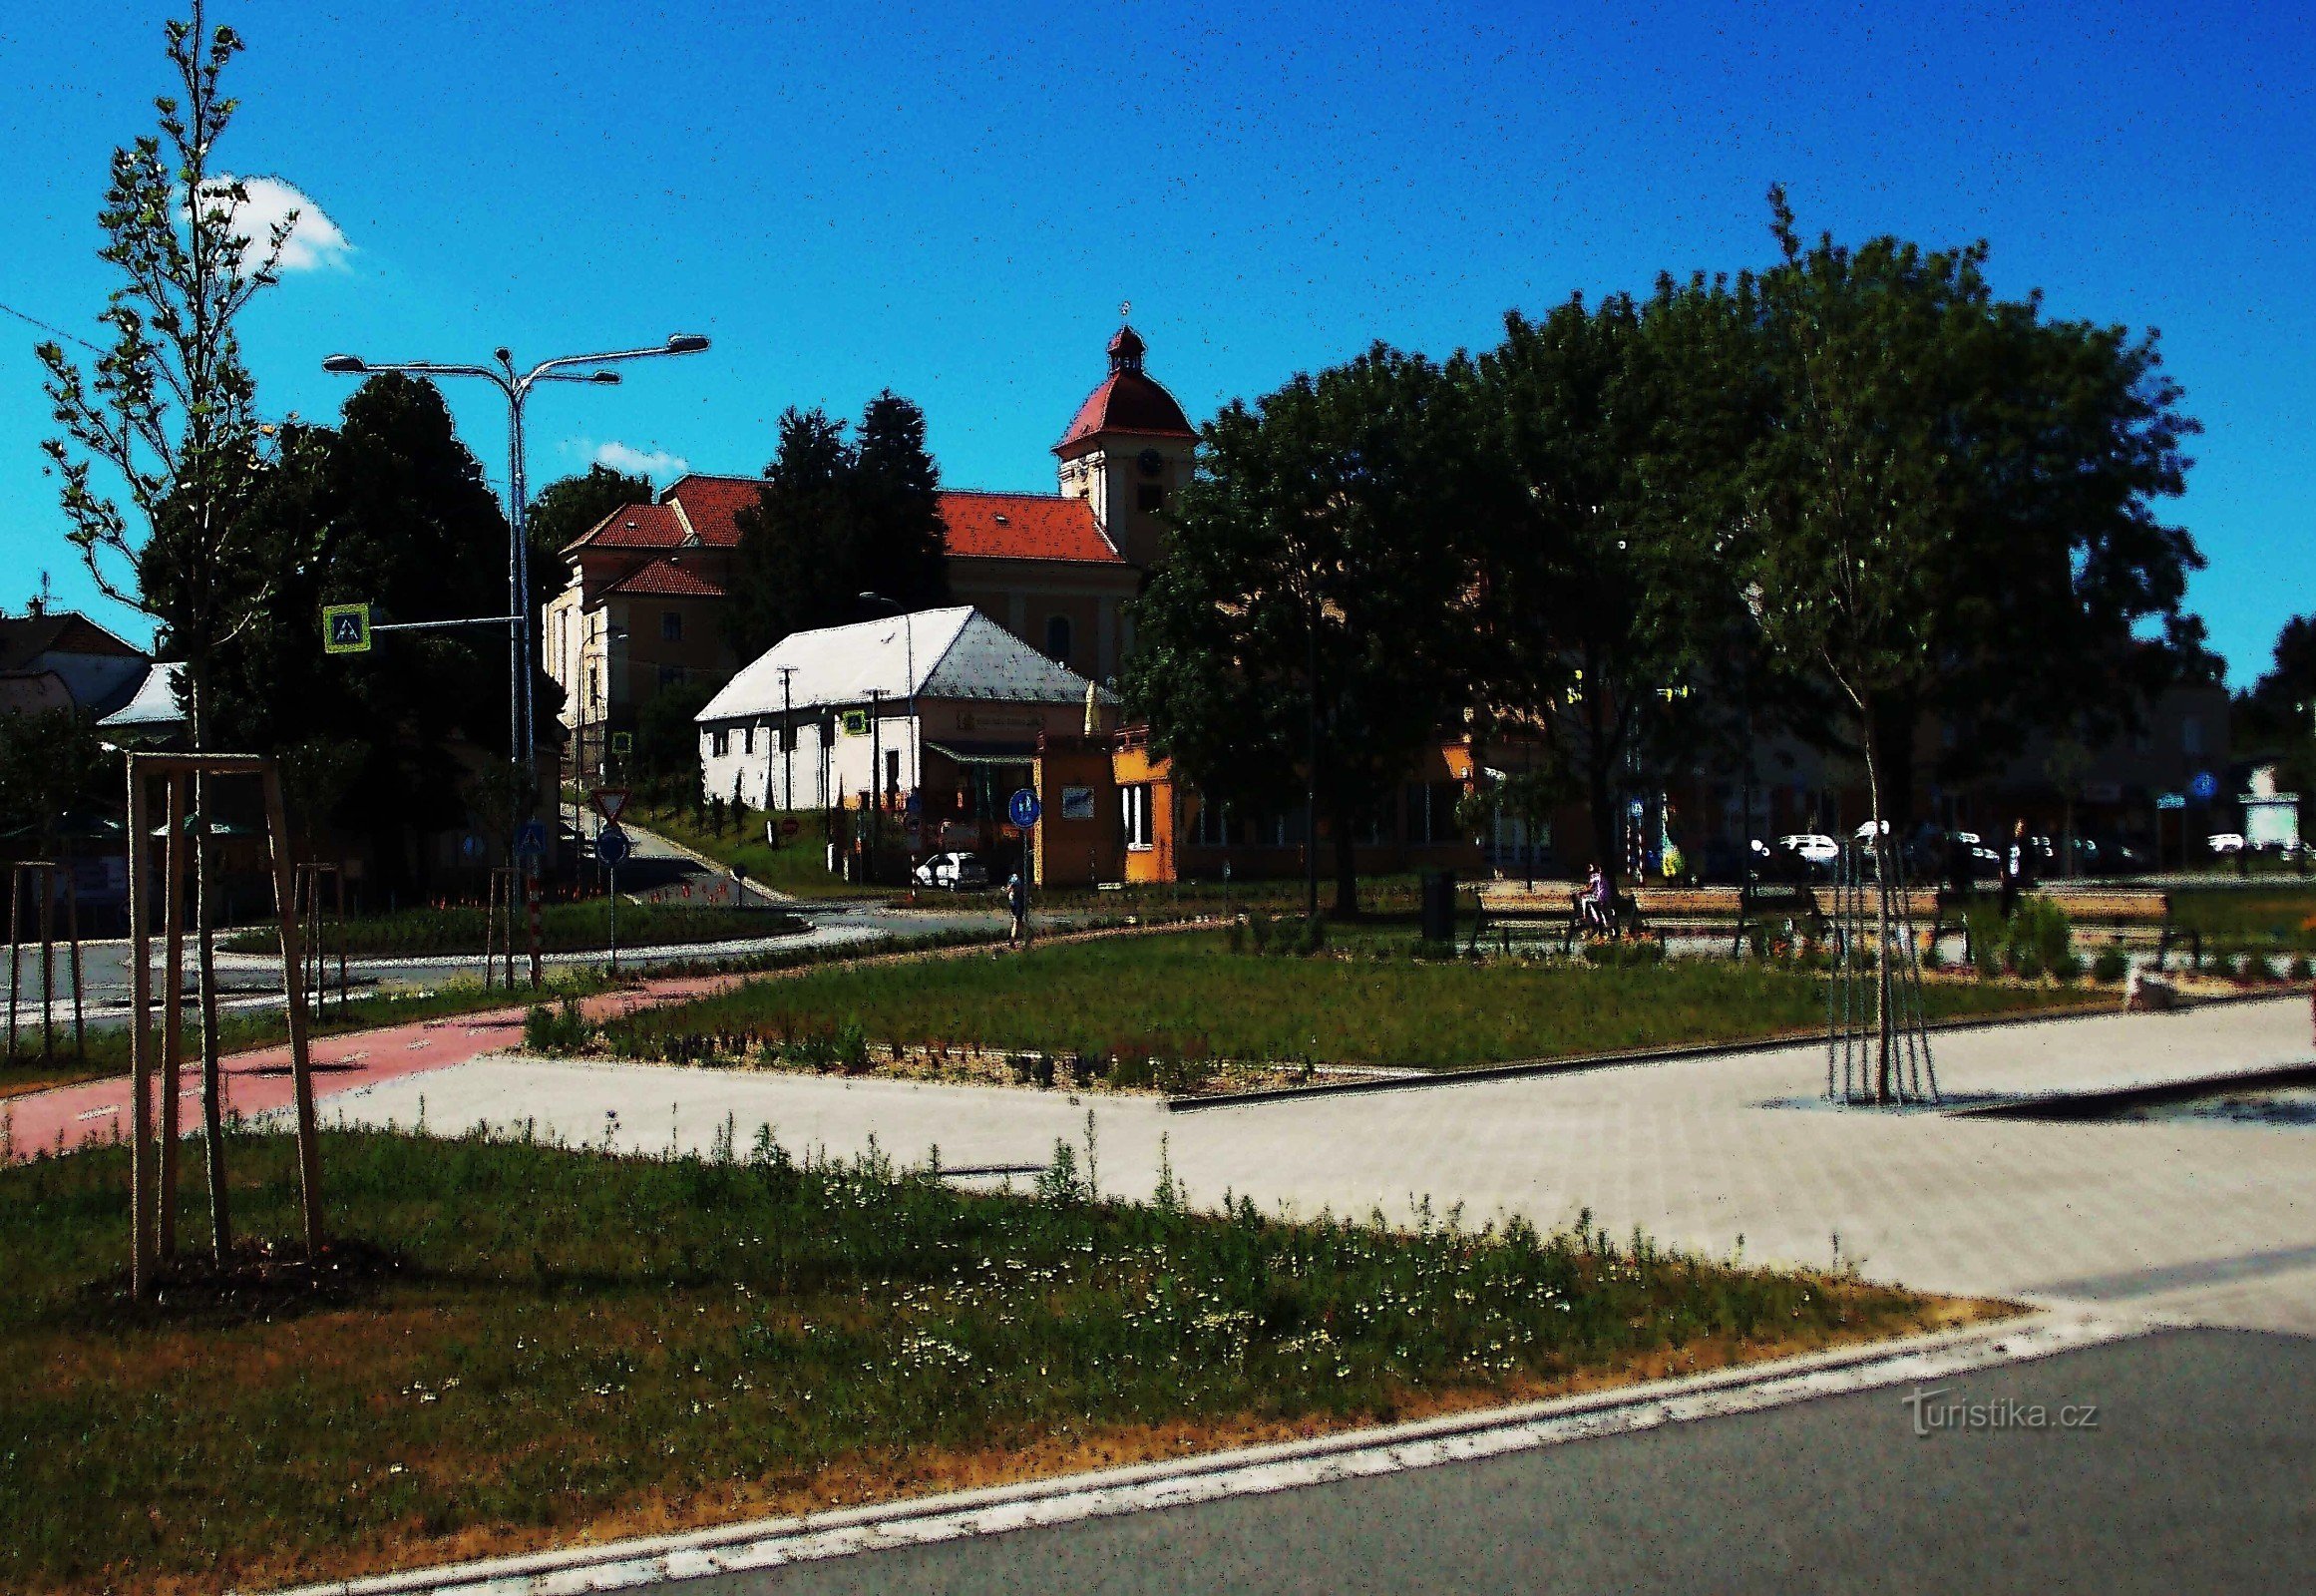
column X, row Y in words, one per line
column 1115, row 811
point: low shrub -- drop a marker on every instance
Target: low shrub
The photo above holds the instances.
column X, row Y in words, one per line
column 560, row 1029
column 2110, row 966
column 2300, row 970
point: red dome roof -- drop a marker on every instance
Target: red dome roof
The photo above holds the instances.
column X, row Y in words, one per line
column 1128, row 401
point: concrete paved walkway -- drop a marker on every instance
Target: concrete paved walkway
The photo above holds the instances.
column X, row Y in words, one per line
column 2182, row 1221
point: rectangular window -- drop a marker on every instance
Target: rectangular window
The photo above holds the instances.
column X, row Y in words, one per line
column 671, row 626
column 891, row 771
column 1135, row 806
column 1212, row 828
column 748, row 739
column 722, row 741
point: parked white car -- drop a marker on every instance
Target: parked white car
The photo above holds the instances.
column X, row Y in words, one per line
column 1813, row 846
column 957, row 872
column 2225, row 842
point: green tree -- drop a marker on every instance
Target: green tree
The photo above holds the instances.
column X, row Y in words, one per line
column 388, row 508
column 793, row 571
column 2275, row 718
column 899, row 547
column 667, row 740
column 51, row 765
column 1313, row 621
column 170, row 413
column 1605, row 574
column 836, row 518
column 1954, row 517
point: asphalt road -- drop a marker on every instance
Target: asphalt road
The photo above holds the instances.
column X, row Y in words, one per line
column 2200, row 1475
column 656, row 871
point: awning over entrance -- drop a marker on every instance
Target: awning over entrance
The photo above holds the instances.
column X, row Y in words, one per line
column 986, row 753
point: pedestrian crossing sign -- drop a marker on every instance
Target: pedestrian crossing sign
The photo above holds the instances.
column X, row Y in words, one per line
column 346, row 628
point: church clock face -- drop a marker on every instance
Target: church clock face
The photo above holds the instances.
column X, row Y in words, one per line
column 1151, row 462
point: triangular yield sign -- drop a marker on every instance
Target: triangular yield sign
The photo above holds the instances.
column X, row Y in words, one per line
column 610, row 801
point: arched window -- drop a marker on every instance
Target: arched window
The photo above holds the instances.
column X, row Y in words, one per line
column 1058, row 639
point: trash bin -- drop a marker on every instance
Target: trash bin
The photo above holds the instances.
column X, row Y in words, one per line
column 1438, row 905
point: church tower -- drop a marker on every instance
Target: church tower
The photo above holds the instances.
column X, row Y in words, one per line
column 1128, row 453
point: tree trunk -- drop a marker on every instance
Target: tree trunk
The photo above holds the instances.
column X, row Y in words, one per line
column 206, row 962
column 1879, row 844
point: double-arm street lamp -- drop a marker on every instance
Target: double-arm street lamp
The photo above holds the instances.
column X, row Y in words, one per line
column 522, row 732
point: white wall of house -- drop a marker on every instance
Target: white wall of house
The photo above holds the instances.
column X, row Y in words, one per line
column 746, row 753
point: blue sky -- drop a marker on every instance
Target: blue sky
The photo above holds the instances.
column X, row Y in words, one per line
column 952, row 203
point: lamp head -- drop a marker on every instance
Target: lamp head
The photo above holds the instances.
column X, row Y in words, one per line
column 344, row 365
column 686, row 343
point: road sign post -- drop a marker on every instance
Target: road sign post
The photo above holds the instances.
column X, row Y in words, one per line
column 346, row 628
column 611, row 847
column 1022, row 809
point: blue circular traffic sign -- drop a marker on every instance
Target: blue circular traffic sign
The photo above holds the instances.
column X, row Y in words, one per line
column 1022, row 808
column 2206, row 786
column 611, row 847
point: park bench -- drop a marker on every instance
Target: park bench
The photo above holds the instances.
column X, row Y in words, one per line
column 2121, row 913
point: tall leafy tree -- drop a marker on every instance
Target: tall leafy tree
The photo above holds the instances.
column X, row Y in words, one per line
column 1955, row 515
column 900, row 548
column 2276, row 716
column 1313, row 621
column 169, row 415
column 388, row 508
column 1608, row 447
column 794, row 568
column 836, row 518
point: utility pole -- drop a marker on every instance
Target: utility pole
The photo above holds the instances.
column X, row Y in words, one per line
column 1311, row 759
column 876, row 805
column 787, row 742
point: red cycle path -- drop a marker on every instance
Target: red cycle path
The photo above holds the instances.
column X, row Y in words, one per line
column 98, row 1112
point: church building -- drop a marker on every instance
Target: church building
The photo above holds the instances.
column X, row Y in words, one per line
column 644, row 590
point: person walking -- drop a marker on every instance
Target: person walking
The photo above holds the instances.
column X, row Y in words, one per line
column 2018, row 869
column 1018, row 905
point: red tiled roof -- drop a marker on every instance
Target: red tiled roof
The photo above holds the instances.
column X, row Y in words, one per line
column 634, row 527
column 666, row 578
column 1127, row 401
column 1024, row 526
column 713, row 504
column 982, row 525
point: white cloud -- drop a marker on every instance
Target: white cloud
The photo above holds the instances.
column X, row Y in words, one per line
column 315, row 240
column 655, row 465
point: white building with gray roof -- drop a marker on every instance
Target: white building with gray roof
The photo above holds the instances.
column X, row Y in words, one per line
column 944, row 705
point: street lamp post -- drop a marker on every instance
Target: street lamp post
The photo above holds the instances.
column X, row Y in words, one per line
column 521, row 730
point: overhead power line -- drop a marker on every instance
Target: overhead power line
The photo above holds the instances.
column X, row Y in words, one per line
column 45, row 327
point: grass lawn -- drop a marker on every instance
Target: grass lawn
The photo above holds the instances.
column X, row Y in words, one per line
column 546, row 1345
column 798, row 867
column 1187, row 995
column 107, row 1049
column 563, row 928
column 2260, row 919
